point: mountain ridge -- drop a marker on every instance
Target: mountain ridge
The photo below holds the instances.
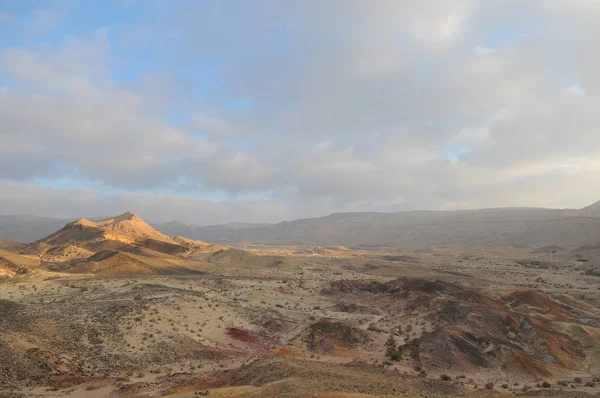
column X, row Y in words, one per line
column 492, row 226
column 488, row 226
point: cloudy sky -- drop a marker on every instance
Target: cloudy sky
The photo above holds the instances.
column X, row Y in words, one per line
column 265, row 110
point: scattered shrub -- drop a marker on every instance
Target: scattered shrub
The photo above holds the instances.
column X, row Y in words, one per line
column 393, row 353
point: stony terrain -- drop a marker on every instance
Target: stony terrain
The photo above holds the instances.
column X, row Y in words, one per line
column 100, row 309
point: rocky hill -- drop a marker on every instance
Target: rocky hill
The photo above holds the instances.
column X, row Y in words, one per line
column 122, row 245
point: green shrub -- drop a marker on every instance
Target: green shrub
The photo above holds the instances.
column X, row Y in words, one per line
column 393, row 353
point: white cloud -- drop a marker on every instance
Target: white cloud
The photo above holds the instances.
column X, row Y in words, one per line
column 576, row 90
column 71, row 68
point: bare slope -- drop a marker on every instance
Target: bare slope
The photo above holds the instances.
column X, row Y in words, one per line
column 110, row 262
column 130, row 225
column 122, row 245
column 591, row 210
column 125, row 232
column 243, row 257
column 11, row 245
column 13, row 264
column 524, row 332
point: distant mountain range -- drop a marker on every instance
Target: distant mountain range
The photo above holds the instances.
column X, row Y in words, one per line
column 414, row 229
column 29, row 228
column 219, row 233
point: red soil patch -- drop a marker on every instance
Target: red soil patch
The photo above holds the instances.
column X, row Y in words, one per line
column 404, row 288
column 241, row 335
column 285, row 352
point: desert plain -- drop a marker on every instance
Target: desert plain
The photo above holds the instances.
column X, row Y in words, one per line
column 115, row 308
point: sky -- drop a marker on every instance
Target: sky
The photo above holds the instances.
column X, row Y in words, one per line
column 218, row 111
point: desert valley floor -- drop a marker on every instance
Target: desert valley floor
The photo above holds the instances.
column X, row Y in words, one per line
column 117, row 309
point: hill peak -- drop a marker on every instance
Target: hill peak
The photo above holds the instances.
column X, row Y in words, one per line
column 123, row 217
column 127, row 216
column 128, row 224
column 84, row 221
column 133, row 226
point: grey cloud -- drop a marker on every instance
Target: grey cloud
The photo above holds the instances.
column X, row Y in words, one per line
column 402, row 105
